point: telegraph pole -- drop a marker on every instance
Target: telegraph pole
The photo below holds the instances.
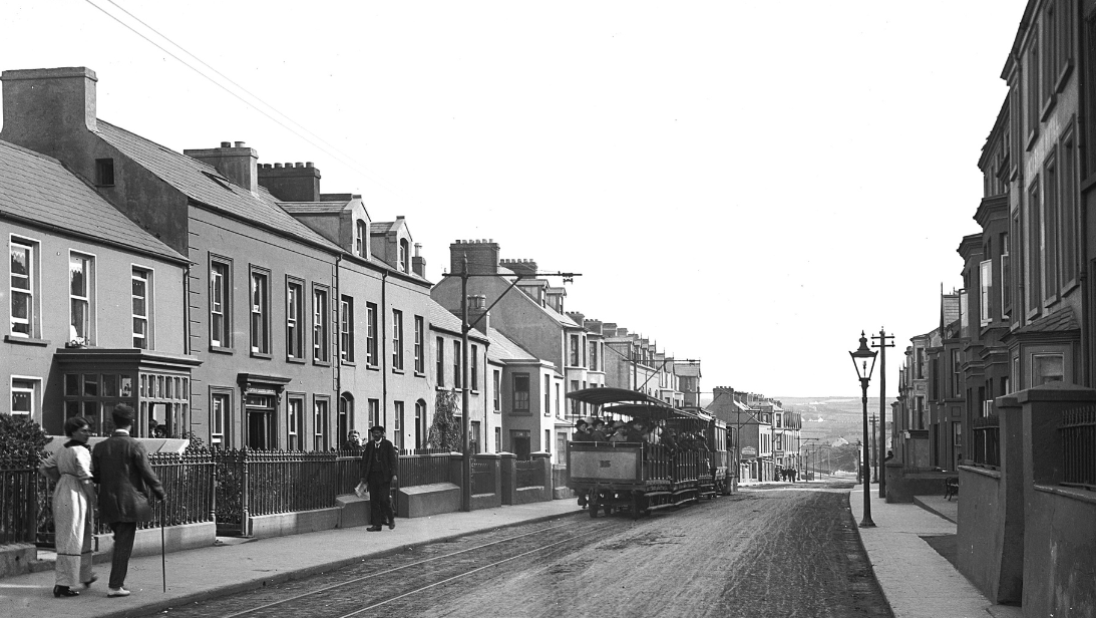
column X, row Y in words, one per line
column 874, row 449
column 882, row 341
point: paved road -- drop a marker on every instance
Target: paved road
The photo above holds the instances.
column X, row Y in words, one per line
column 781, row 552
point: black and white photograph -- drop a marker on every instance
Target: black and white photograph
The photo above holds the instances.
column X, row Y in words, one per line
column 548, row 310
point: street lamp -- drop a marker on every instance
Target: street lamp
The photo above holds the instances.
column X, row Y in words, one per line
column 860, row 360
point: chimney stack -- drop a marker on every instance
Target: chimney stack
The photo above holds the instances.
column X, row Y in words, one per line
column 483, row 256
column 238, row 163
column 47, row 110
column 477, row 306
column 521, row 266
column 291, row 182
column 418, row 263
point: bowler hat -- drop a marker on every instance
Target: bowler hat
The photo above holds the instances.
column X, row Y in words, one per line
column 379, row 428
column 581, row 423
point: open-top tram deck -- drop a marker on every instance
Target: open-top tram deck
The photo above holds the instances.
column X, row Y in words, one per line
column 681, row 459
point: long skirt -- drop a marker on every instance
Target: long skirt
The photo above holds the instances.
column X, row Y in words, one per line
column 72, row 521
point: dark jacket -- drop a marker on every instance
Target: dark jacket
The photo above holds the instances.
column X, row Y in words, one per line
column 125, row 478
column 387, row 463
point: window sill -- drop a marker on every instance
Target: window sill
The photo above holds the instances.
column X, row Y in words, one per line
column 217, row 349
column 1033, row 136
column 373, row 367
column 349, row 363
column 419, row 374
column 521, row 413
column 497, row 411
column 1047, row 108
column 441, row 387
column 397, row 371
column 321, row 363
column 1050, row 301
column 294, row 360
column 261, row 355
column 1069, row 287
column 26, row 341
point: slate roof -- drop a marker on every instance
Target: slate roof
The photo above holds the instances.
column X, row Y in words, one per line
column 381, row 227
column 199, row 181
column 441, row 317
column 503, row 348
column 37, row 188
column 310, row 208
column 1058, row 322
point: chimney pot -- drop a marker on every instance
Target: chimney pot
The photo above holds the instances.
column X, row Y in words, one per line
column 298, row 164
column 240, row 144
column 277, row 166
column 308, row 164
column 226, row 144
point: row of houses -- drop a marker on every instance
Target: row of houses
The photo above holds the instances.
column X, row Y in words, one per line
column 233, row 302
column 999, row 393
column 766, row 437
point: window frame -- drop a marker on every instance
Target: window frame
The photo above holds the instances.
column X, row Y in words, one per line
column 439, row 363
column 294, row 421
column 259, row 315
column 31, row 251
column 397, row 340
column 371, row 356
column 88, row 299
column 420, row 341
column 33, row 392
column 520, row 404
column 220, row 438
column 294, row 315
column 148, row 275
column 321, row 324
column 346, row 329
column 220, row 341
column 321, row 423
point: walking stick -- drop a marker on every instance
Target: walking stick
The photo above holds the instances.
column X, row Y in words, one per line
column 163, row 543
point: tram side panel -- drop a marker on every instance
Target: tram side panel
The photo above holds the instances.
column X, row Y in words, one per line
column 604, row 464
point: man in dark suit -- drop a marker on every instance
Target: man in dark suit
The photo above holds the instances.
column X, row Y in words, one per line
column 379, row 473
column 125, row 478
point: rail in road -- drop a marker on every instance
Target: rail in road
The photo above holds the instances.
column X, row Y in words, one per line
column 382, row 585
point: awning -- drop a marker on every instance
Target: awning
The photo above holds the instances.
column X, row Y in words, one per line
column 631, row 403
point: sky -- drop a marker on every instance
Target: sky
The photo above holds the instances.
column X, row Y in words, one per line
column 750, row 184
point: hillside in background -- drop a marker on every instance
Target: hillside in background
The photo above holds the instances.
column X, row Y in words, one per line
column 832, row 418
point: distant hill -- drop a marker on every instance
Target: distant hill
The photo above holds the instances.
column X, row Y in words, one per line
column 832, row 418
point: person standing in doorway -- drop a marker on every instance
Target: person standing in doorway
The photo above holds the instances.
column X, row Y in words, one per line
column 72, row 503
column 125, row 481
column 379, row 473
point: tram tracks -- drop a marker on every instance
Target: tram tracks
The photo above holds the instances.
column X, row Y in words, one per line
column 384, row 585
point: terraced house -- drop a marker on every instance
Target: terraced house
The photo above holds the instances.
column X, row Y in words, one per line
column 264, row 314
column 1011, row 377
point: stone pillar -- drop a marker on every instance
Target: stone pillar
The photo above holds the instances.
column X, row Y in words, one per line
column 508, row 462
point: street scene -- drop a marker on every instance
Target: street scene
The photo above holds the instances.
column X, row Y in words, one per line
column 465, row 309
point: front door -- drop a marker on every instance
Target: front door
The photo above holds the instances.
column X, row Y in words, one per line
column 260, row 422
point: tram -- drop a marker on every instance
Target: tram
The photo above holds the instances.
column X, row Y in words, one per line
column 682, row 458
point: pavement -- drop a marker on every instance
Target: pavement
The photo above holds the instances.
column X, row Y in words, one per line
column 917, row 581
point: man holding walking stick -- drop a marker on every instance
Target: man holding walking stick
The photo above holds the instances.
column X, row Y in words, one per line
column 125, row 479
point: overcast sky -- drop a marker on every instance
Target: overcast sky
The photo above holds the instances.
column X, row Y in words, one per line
column 746, row 183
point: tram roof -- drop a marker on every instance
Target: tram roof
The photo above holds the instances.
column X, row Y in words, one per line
column 631, row 403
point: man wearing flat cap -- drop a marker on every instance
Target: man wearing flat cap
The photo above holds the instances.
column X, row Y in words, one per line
column 379, row 473
column 126, row 484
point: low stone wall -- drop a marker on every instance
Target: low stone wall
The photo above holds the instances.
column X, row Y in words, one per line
column 285, row 524
column 903, row 485
column 1060, row 553
column 427, row 500
column 147, row 542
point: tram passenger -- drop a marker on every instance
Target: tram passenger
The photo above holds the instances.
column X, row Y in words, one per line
column 634, row 432
column 617, row 434
column 597, row 432
column 582, row 432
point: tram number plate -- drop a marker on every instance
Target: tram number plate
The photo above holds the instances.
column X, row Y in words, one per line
column 605, row 463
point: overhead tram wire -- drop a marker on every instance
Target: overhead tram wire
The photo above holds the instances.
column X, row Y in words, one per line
column 334, row 153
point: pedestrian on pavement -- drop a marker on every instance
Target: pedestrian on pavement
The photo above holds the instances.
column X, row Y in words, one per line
column 379, row 473
column 125, row 478
column 73, row 498
column 353, row 441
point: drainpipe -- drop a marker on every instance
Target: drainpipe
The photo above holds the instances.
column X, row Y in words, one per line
column 337, row 361
column 1082, row 242
column 384, row 349
column 186, row 342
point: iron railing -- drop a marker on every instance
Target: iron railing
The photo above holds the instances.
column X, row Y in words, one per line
column 1078, row 434
column 19, row 499
column 425, row 469
column 987, row 441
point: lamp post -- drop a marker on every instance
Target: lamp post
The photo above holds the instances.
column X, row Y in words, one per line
column 860, row 359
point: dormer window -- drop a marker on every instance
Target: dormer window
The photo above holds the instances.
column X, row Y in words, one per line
column 360, row 234
column 405, row 255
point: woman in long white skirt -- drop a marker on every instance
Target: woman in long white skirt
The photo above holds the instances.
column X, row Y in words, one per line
column 73, row 500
